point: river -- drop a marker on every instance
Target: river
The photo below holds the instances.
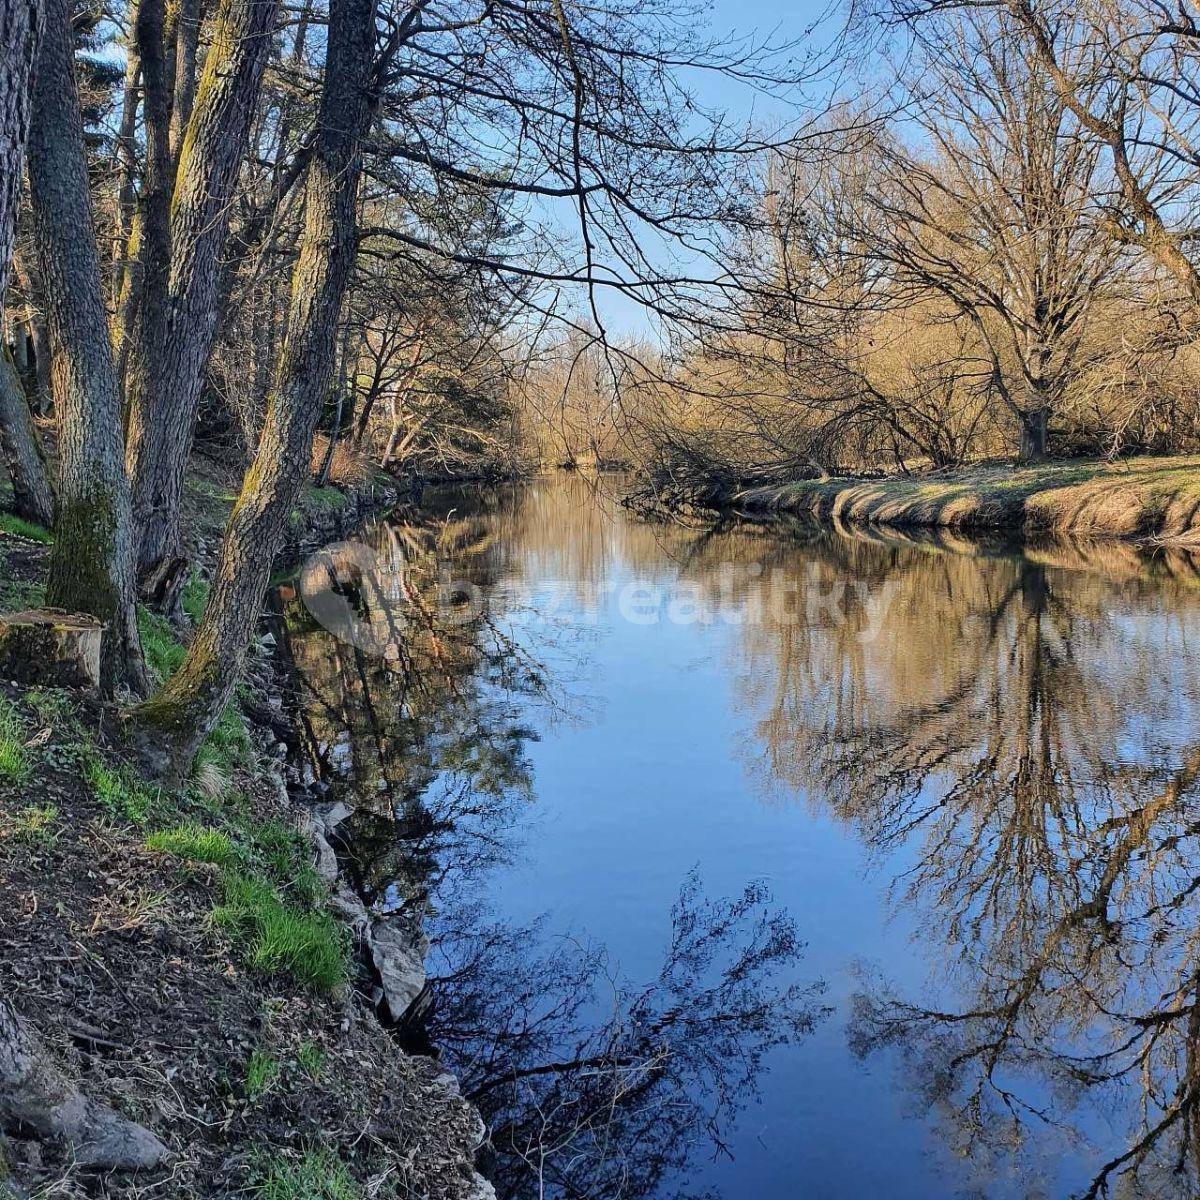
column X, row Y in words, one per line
column 779, row 863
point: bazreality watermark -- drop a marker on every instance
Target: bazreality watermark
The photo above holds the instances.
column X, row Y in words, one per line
column 368, row 599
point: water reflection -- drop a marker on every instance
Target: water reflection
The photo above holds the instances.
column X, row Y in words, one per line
column 1012, row 736
column 592, row 1083
column 1023, row 737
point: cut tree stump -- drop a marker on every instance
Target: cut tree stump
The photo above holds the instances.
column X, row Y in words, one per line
column 51, row 647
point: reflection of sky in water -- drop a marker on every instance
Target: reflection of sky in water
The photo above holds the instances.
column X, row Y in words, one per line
column 631, row 802
column 671, row 768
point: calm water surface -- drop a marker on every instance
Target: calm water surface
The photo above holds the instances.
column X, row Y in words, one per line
column 782, row 863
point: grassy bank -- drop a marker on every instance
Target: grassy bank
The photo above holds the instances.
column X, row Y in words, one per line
column 180, row 956
column 1133, row 498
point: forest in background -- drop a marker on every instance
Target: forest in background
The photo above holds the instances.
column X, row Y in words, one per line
column 315, row 241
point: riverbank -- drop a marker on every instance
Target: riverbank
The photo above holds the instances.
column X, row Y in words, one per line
column 190, row 963
column 1140, row 498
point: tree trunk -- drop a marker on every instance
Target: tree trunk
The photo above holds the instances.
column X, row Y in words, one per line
column 126, row 279
column 91, row 565
column 36, row 1096
column 171, row 352
column 143, row 309
column 1033, row 434
column 187, row 40
column 18, row 337
column 32, row 496
column 180, row 716
column 42, row 400
column 20, row 26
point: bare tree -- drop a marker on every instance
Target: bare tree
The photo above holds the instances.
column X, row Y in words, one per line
column 178, row 308
column 92, row 564
column 187, row 708
column 20, row 28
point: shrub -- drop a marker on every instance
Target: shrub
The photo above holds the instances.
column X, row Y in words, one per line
column 348, row 468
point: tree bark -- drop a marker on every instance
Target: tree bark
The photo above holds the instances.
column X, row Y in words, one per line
column 36, row 1095
column 43, row 400
column 91, row 565
column 187, row 41
column 20, row 27
column 176, row 720
column 126, row 280
column 171, row 352
column 33, row 498
column 18, row 337
column 1033, row 435
column 51, row 648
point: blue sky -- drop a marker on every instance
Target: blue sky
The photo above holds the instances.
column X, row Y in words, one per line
column 739, row 19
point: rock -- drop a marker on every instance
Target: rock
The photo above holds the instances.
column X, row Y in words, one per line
column 37, row 1096
column 313, row 828
column 51, row 647
column 347, row 906
column 398, row 947
column 480, row 1189
column 335, row 814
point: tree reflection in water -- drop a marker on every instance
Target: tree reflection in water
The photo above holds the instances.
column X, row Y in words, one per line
column 593, row 1085
column 1012, row 737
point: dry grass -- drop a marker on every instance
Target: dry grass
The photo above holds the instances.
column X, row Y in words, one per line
column 1134, row 498
column 349, row 467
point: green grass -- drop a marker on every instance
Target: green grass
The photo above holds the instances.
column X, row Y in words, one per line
column 195, row 597
column 317, row 500
column 14, row 757
column 316, row 1175
column 284, row 857
column 16, row 595
column 229, row 743
column 270, row 895
column 10, row 523
column 120, row 795
column 262, row 1070
column 323, row 499
column 36, row 826
column 163, row 650
column 311, row 1060
column 277, row 936
column 195, row 843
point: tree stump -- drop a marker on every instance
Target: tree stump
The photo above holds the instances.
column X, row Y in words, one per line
column 51, row 647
